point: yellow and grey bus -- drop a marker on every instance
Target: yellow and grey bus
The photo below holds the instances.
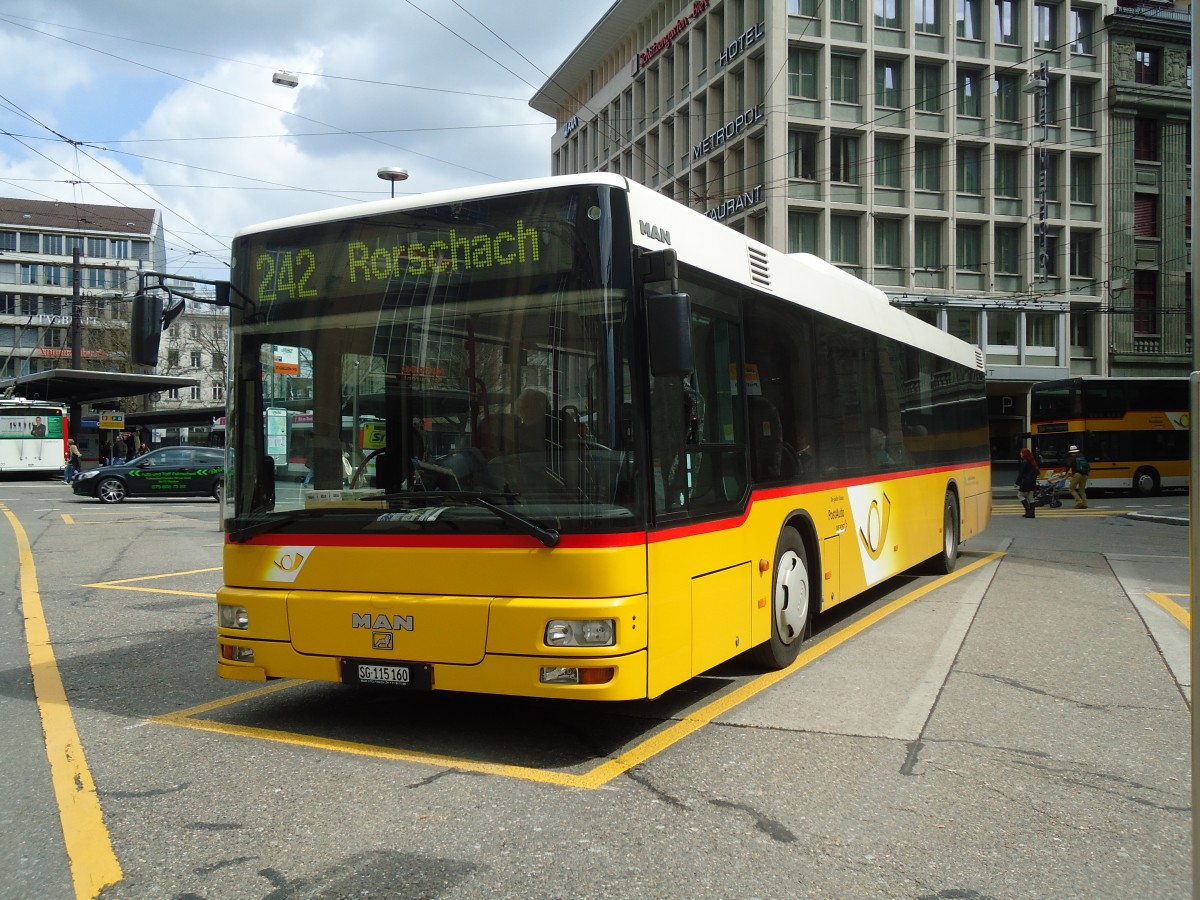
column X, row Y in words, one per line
column 610, row 444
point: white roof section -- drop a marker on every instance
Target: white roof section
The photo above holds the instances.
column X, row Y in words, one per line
column 659, row 222
column 622, row 17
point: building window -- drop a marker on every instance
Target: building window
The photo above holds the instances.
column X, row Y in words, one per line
column 964, row 325
column 968, row 241
column 969, row 166
column 1006, row 22
column 97, row 247
column 1082, row 94
column 1008, row 98
column 927, row 165
column 888, row 152
column 887, row 243
column 1046, row 35
column 52, row 244
column 843, row 159
column 29, row 242
column 968, row 19
column 197, row 362
column 1082, row 179
column 1039, row 329
column 29, row 274
column 887, row 13
column 927, row 245
column 929, row 88
column 887, row 84
column 1007, row 250
column 1145, row 140
column 95, row 278
column 120, row 249
column 1145, row 65
column 1145, row 302
column 218, row 360
column 802, row 232
column 1052, row 161
column 843, row 240
column 1145, row 215
column 1002, row 327
column 843, row 79
column 1007, row 163
column 845, row 11
column 927, row 16
column 173, row 394
column 802, row 154
column 194, row 392
column 802, row 73
column 218, row 391
column 1081, row 30
column 802, row 8
column 968, row 93
column 8, row 240
column 1083, row 249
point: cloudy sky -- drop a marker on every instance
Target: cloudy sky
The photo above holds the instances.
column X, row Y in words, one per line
column 170, row 104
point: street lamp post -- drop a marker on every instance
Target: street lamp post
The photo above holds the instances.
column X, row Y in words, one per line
column 393, row 174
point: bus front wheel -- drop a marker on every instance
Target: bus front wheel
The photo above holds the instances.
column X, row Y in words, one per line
column 791, row 607
column 947, row 559
column 1145, row 482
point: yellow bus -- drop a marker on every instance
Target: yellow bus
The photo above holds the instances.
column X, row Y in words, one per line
column 1132, row 431
column 618, row 444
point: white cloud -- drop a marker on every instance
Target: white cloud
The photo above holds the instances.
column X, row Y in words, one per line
column 138, row 87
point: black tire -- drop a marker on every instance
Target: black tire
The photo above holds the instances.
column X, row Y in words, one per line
column 791, row 603
column 1146, row 482
column 945, row 561
column 218, row 487
column 111, row 490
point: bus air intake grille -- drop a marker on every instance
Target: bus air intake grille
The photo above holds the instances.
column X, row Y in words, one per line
column 760, row 269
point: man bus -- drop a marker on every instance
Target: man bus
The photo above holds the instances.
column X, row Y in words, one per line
column 728, row 441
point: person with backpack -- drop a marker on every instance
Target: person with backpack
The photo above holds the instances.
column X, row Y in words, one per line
column 74, row 461
column 1077, row 475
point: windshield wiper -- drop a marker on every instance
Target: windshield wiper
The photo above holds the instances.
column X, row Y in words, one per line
column 548, row 536
column 270, row 520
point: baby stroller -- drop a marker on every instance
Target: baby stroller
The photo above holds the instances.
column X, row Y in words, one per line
column 1048, row 489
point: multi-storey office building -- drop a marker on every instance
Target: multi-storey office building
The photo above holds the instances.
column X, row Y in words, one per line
column 38, row 240
column 956, row 154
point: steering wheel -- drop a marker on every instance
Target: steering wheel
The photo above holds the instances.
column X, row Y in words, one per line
column 362, row 466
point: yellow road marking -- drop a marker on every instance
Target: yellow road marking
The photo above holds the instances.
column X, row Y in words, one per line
column 68, row 519
column 89, row 850
column 1182, row 615
column 601, row 774
column 152, row 577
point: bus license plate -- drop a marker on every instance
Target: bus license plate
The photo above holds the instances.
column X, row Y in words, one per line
column 416, row 676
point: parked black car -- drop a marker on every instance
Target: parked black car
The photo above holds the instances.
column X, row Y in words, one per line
column 166, row 472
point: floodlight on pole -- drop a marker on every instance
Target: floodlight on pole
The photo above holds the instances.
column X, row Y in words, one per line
column 393, row 174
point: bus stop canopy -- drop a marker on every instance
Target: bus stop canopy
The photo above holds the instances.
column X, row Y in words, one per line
column 82, row 386
column 176, row 418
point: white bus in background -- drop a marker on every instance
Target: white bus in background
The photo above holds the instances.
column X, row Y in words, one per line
column 33, row 437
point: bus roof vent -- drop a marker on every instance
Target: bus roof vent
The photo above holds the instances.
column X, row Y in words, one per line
column 760, row 269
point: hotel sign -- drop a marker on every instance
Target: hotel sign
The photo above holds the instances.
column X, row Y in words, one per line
column 643, row 59
column 748, row 38
column 728, row 131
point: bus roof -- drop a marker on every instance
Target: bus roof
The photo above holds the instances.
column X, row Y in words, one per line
column 705, row 243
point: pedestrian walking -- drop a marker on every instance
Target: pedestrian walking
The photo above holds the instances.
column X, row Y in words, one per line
column 1078, row 469
column 131, row 446
column 105, row 449
column 1026, row 483
column 74, row 461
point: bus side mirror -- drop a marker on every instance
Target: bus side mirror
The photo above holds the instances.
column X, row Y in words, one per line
column 669, row 317
column 145, row 329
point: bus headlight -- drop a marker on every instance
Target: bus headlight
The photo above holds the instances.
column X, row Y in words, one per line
column 581, row 633
column 233, row 616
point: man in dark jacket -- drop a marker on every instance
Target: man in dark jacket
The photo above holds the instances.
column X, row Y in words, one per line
column 1027, row 476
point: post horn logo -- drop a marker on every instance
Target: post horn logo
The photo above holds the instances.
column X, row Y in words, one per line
column 874, row 533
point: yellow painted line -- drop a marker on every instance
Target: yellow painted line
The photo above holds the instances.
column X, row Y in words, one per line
column 209, row 594
column 601, row 774
column 89, row 850
column 153, row 577
column 68, row 519
column 1183, row 616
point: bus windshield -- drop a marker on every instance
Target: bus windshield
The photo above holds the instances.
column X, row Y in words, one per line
column 460, row 368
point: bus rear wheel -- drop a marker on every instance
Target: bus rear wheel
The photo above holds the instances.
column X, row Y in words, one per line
column 947, row 559
column 791, row 606
column 1145, row 482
